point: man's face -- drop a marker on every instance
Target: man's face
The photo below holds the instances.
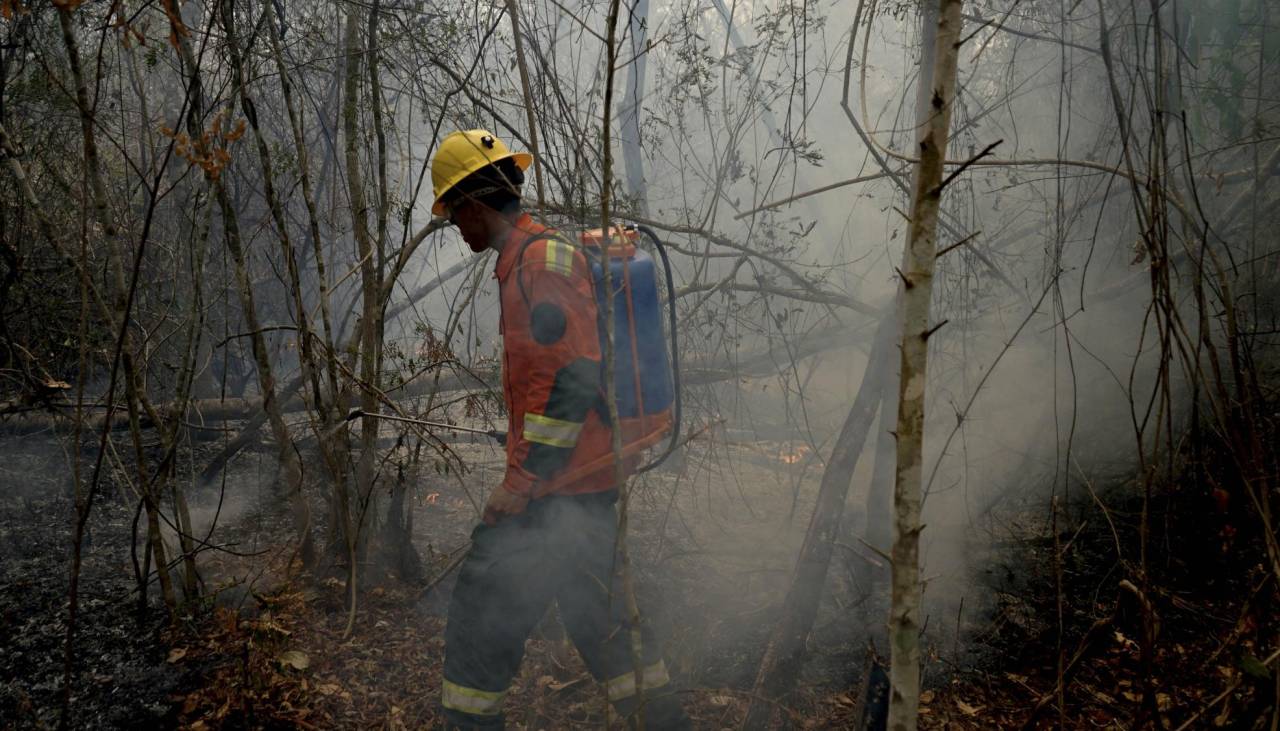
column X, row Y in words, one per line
column 469, row 217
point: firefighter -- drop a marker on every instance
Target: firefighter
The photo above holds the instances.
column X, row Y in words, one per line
column 549, row 530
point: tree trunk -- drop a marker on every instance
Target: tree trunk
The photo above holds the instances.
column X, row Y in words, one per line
column 629, row 115
column 941, row 21
column 118, row 318
column 784, row 655
column 517, row 38
column 609, row 353
column 370, row 319
column 306, row 359
column 879, row 518
column 248, row 434
column 289, row 460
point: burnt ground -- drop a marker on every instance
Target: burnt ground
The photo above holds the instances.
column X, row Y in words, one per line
column 713, row 539
column 711, row 573
column 1182, row 649
column 121, row 679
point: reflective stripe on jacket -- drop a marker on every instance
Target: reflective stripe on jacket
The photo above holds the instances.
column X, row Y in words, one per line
column 551, row 366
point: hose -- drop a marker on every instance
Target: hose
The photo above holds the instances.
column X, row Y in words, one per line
column 675, row 349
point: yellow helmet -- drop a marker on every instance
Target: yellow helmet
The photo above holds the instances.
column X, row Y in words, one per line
column 463, row 153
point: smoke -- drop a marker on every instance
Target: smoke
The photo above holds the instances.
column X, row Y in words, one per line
column 752, row 119
column 1034, row 377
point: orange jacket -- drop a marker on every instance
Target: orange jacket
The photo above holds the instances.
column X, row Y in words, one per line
column 558, row 441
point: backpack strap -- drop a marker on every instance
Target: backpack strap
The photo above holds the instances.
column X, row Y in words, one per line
column 548, row 235
column 601, row 405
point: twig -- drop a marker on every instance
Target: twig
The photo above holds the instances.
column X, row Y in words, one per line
column 1218, row 698
column 966, row 165
column 960, row 417
column 460, row 553
column 578, row 20
column 259, row 331
column 876, row 551
column 1081, row 649
column 957, row 244
column 815, row 191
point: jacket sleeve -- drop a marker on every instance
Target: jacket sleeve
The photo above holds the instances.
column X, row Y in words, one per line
column 562, row 382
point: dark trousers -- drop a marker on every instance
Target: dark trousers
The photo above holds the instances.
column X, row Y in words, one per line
column 561, row 548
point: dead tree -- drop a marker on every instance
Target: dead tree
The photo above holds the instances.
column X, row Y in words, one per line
column 784, row 655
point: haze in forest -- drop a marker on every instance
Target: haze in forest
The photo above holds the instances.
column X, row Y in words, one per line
column 219, row 269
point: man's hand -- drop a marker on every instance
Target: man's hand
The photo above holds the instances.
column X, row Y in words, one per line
column 502, row 504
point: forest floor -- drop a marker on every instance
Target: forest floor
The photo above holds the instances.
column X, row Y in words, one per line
column 713, row 540
column 1075, row 628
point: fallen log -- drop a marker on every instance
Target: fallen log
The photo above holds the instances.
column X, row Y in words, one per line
column 202, row 414
column 723, row 370
column 289, row 394
column 248, row 434
column 209, row 416
column 20, row 419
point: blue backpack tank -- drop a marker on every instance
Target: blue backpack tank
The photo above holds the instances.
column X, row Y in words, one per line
column 642, row 366
column 646, row 376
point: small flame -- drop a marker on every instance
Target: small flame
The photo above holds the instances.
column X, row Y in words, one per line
column 794, row 456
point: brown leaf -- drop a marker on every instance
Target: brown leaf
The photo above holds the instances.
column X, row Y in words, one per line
column 566, row 684
column 967, row 709
column 295, row 659
column 1223, row 718
column 176, row 654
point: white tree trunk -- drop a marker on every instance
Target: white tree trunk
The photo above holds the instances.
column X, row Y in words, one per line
column 629, row 115
column 933, row 122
